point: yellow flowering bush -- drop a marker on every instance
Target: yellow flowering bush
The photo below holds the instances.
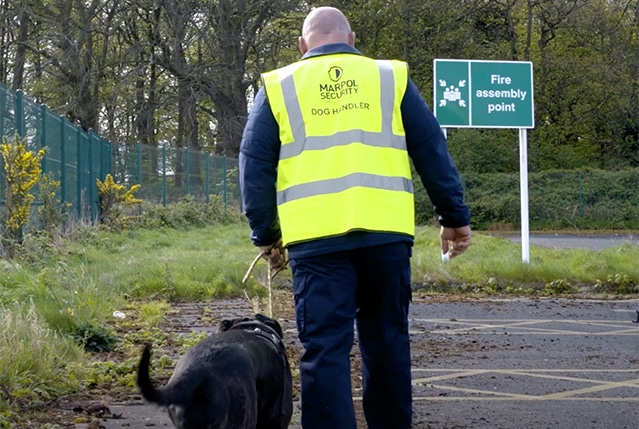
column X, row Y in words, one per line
column 113, row 196
column 23, row 171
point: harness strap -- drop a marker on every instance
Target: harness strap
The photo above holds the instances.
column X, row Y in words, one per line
column 274, row 340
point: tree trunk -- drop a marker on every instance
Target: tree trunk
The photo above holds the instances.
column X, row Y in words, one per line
column 21, row 48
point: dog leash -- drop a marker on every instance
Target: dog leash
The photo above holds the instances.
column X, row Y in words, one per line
column 254, row 263
column 270, row 275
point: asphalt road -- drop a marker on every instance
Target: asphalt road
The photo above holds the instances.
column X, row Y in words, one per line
column 527, row 363
column 578, row 241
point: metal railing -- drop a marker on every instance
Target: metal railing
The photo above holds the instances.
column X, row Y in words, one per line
column 77, row 159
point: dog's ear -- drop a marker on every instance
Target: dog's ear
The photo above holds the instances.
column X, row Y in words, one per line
column 227, row 324
column 224, row 325
column 271, row 323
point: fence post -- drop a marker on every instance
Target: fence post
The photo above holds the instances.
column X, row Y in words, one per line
column 581, row 196
column 187, row 168
column 224, row 180
column 103, row 146
column 3, row 107
column 19, row 113
column 139, row 147
column 92, row 184
column 63, row 162
column 206, row 176
column 164, row 175
column 109, row 159
column 43, row 135
column 78, row 170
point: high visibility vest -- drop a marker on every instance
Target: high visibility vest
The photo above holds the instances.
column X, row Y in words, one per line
column 343, row 163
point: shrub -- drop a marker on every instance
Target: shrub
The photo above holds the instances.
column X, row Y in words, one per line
column 188, row 212
column 95, row 338
column 559, row 287
column 22, row 168
column 617, row 284
column 113, row 198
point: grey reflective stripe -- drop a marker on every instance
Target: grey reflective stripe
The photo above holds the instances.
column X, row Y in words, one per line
column 387, row 80
column 293, row 110
column 383, row 139
column 342, row 139
column 331, row 186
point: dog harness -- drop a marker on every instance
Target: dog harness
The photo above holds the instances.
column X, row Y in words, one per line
column 274, row 340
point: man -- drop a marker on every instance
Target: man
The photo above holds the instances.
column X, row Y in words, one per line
column 325, row 173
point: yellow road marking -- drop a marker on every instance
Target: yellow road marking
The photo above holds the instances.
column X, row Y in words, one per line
column 505, row 398
column 552, row 374
column 527, row 327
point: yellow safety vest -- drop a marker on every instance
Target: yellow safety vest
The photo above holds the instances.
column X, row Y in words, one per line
column 343, row 162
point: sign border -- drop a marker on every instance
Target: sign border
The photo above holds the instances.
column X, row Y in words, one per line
column 469, row 62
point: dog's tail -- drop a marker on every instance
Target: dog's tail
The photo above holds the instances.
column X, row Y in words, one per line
column 149, row 392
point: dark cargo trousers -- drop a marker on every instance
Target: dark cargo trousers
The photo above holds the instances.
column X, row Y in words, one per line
column 371, row 287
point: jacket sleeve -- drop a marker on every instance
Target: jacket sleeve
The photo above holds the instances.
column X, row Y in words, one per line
column 259, row 154
column 428, row 149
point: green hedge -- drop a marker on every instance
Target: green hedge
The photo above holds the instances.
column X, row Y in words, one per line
column 558, row 199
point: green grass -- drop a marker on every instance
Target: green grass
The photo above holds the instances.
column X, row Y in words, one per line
column 152, row 313
column 186, row 264
column 497, row 263
column 75, row 286
column 95, row 272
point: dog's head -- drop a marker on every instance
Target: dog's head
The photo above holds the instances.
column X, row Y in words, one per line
column 259, row 320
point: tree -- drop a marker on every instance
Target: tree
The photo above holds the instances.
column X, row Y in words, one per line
column 183, row 73
column 237, row 25
column 72, row 45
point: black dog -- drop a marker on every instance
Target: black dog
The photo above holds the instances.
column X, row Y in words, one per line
column 237, row 378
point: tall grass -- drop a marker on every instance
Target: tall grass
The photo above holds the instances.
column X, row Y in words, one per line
column 36, row 362
column 64, row 294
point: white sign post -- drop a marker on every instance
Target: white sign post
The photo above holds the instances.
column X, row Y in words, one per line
column 523, row 187
column 489, row 94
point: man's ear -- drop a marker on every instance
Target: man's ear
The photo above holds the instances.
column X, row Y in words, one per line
column 302, row 45
column 351, row 38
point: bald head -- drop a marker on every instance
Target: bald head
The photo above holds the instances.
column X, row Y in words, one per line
column 325, row 25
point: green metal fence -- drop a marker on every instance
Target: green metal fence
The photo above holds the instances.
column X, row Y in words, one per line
column 167, row 173
column 77, row 159
column 74, row 157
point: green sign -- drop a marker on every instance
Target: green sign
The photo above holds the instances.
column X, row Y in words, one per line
column 483, row 94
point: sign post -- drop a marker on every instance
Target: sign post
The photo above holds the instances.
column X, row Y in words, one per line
column 489, row 94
